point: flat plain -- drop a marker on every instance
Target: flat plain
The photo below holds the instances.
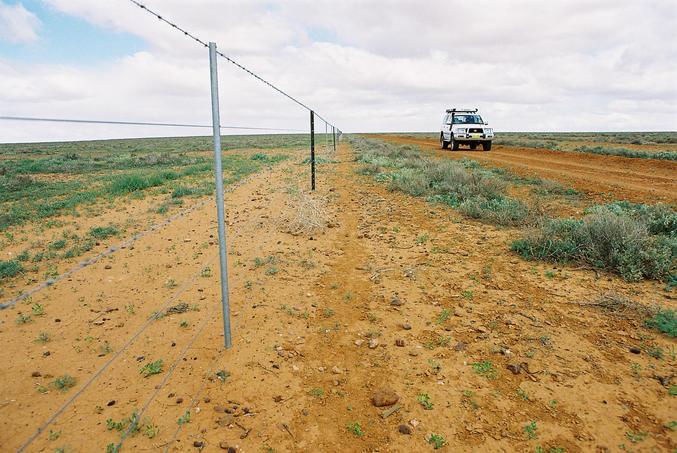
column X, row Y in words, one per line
column 521, row 299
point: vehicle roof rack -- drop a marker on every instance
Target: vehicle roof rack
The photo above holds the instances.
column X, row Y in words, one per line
column 461, row 111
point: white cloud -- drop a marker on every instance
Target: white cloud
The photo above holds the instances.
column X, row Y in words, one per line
column 17, row 24
column 393, row 65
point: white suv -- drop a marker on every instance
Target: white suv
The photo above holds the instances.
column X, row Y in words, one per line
column 465, row 127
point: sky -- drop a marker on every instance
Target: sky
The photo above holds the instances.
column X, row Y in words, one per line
column 367, row 65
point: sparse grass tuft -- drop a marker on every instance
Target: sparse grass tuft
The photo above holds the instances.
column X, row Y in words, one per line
column 63, row 383
column 485, row 369
column 356, row 429
column 152, row 368
column 425, row 401
column 103, row 232
column 437, row 441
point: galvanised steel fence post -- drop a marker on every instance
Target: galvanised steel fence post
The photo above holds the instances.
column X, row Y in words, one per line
column 218, row 173
column 312, row 150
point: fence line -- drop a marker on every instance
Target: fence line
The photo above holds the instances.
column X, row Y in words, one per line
column 117, row 354
column 226, row 57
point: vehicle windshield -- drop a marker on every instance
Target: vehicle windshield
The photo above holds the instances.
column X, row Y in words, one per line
column 468, row 119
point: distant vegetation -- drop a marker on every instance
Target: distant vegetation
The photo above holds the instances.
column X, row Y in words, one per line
column 634, row 240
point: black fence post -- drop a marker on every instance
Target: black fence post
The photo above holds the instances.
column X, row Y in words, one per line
column 333, row 133
column 312, row 150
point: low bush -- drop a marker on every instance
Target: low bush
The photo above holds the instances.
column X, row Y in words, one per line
column 9, row 269
column 664, row 321
column 608, row 237
column 103, row 232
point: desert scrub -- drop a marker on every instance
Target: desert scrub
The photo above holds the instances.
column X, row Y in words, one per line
column 152, row 368
column 9, row 269
column 478, row 192
column 103, row 232
column 664, row 321
column 636, row 241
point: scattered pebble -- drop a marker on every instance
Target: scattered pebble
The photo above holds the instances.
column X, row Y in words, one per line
column 405, row 429
column 108, row 266
column 460, row 346
column 515, row 369
column 399, row 342
column 359, row 343
column 46, row 354
column 337, row 370
column 384, row 397
column 635, row 350
column 198, row 444
column 395, row 301
column 179, row 400
column 406, row 326
column 373, row 343
column 36, row 374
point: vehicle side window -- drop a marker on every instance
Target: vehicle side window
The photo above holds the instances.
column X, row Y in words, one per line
column 446, row 119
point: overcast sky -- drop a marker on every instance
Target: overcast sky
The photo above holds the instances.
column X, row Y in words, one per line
column 555, row 65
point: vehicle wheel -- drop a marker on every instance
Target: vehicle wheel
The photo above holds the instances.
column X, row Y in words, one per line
column 486, row 146
column 443, row 144
column 473, row 147
column 454, row 144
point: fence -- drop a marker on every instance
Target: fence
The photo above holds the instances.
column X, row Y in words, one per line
column 216, row 127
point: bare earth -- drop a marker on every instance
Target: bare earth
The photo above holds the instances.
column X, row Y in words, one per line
column 296, row 379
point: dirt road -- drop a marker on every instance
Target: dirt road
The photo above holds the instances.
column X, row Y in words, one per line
column 395, row 293
column 603, row 177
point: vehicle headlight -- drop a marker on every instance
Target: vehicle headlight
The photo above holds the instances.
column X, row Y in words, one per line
column 488, row 130
column 460, row 130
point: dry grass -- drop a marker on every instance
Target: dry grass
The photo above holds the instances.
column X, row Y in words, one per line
column 306, row 214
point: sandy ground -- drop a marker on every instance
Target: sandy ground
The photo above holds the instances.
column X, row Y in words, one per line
column 606, row 177
column 433, row 294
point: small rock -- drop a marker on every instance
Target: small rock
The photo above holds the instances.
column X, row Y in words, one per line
column 406, row 326
column 110, row 403
column 218, row 408
column 207, row 399
column 460, row 346
column 413, row 353
column 405, row 429
column 321, row 369
column 515, row 369
column 384, row 397
column 337, row 370
column 198, row 444
column 46, row 354
column 635, row 350
column 395, row 301
column 414, row 422
column 277, row 398
column 373, row 343
column 36, row 374
column 399, row 342
column 359, row 343
column 179, row 400
column 108, row 266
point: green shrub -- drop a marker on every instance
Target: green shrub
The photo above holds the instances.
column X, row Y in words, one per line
column 9, row 269
column 103, row 232
column 181, row 191
column 664, row 321
column 499, row 211
column 609, row 238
